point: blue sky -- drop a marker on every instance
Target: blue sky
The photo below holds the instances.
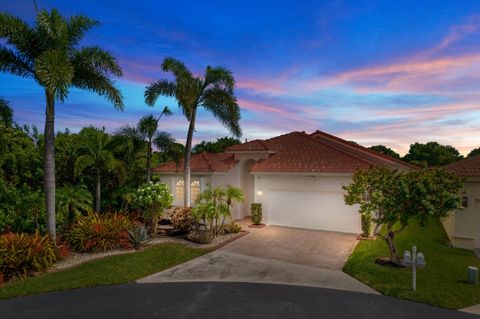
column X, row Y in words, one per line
column 389, row 72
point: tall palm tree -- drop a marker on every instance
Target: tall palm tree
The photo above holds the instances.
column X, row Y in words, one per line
column 147, row 126
column 49, row 53
column 213, row 92
column 97, row 156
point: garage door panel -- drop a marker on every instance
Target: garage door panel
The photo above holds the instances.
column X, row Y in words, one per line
column 312, row 209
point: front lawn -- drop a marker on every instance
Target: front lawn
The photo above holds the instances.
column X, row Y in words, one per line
column 111, row 270
column 440, row 283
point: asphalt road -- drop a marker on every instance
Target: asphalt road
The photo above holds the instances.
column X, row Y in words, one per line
column 216, row 300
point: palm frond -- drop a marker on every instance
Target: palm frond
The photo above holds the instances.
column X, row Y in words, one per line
column 53, row 27
column 6, row 113
column 223, row 105
column 16, row 32
column 82, row 162
column 55, row 72
column 77, row 26
column 163, row 140
column 219, row 76
column 148, row 125
column 94, row 58
column 177, row 67
column 99, row 83
column 161, row 87
column 15, row 63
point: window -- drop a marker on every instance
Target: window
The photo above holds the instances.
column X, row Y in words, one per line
column 194, row 190
column 179, row 190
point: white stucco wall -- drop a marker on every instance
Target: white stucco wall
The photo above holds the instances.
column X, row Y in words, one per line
column 314, row 202
column 463, row 225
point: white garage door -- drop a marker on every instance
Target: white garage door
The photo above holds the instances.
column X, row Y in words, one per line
column 312, row 209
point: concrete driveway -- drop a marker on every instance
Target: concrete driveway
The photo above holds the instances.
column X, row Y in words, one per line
column 276, row 255
column 321, row 249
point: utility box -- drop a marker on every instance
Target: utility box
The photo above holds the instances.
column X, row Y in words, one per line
column 420, row 260
column 407, row 258
column 472, row 275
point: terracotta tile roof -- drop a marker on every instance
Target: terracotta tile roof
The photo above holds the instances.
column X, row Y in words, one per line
column 297, row 152
column 203, row 162
column 467, row 167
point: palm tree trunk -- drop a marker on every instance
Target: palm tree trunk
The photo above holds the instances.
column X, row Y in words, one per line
column 149, row 159
column 49, row 163
column 97, row 194
column 186, row 162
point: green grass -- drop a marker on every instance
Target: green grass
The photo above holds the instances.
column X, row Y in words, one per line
column 440, row 283
column 110, row 270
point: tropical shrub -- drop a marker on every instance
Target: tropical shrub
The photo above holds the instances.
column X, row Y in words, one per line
column 153, row 199
column 22, row 254
column 200, row 236
column 232, row 228
column 99, row 232
column 182, row 219
column 138, row 235
column 366, row 224
column 213, row 207
column 256, row 212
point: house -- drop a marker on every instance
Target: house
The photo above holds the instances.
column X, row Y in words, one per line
column 297, row 177
column 463, row 225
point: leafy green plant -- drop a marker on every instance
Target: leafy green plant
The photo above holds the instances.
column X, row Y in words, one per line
column 182, row 219
column 213, row 207
column 22, row 254
column 366, row 224
column 138, row 235
column 232, row 228
column 153, row 199
column 393, row 198
column 94, row 232
column 72, row 201
column 256, row 212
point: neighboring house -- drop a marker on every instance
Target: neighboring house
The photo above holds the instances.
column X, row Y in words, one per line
column 297, row 177
column 463, row 225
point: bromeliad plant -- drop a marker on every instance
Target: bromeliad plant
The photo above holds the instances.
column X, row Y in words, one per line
column 99, row 232
column 22, row 254
column 213, row 207
column 153, row 199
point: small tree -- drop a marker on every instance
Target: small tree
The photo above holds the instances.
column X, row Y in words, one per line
column 393, row 198
column 153, row 199
column 213, row 207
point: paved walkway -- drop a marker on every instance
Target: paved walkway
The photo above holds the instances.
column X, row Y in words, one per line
column 217, row 300
column 274, row 255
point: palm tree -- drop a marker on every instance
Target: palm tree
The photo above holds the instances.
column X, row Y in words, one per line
column 97, row 156
column 6, row 113
column 213, row 92
column 147, row 126
column 72, row 201
column 49, row 53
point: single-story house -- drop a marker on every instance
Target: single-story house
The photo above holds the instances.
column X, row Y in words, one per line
column 463, row 225
column 297, row 177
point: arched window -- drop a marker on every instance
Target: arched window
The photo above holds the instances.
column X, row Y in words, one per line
column 179, row 191
column 194, row 190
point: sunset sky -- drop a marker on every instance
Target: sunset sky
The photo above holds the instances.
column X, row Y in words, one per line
column 375, row 72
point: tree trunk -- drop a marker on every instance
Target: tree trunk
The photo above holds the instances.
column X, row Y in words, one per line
column 149, row 159
column 186, row 162
column 49, row 163
column 97, row 193
column 391, row 246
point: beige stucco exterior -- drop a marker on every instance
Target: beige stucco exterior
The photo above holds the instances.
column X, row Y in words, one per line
column 463, row 225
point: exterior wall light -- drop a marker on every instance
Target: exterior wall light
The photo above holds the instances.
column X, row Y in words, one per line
column 259, row 193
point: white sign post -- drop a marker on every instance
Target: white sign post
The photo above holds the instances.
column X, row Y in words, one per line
column 414, row 268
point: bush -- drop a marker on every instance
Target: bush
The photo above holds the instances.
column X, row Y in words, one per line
column 182, row 219
column 153, row 199
column 366, row 225
column 200, row 236
column 256, row 212
column 95, row 232
column 22, row 254
column 232, row 228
